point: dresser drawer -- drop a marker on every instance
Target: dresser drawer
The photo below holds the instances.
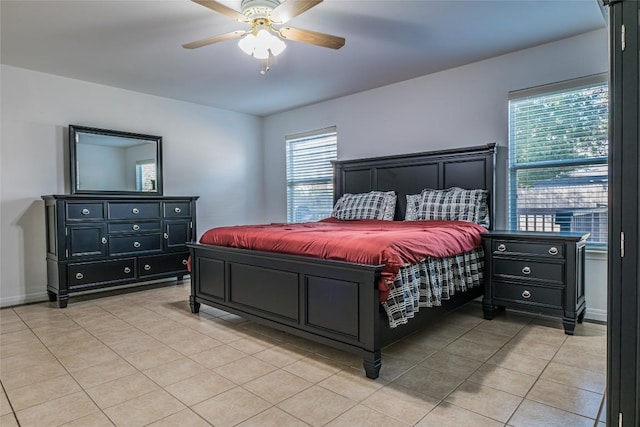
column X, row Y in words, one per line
column 134, row 210
column 528, row 269
column 119, row 245
column 177, row 209
column 162, row 264
column 528, row 248
column 548, row 297
column 135, row 227
column 88, row 273
column 84, row 211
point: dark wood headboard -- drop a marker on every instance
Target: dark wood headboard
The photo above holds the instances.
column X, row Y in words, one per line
column 469, row 168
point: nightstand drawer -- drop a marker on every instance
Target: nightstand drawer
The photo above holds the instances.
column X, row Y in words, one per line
column 531, row 294
column 528, row 248
column 528, row 269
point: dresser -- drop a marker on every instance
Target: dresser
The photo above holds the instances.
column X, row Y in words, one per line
column 103, row 241
column 536, row 272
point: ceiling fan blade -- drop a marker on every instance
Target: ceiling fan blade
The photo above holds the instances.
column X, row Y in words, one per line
column 214, row 39
column 290, row 9
column 220, row 8
column 311, row 37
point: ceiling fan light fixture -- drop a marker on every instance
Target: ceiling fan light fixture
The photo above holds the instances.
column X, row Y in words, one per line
column 260, row 44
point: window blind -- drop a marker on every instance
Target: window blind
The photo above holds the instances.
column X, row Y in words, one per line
column 558, row 153
column 310, row 174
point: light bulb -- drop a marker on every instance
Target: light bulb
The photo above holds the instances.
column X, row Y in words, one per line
column 259, row 45
column 248, row 44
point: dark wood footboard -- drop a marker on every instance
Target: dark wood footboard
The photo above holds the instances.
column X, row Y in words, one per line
column 331, row 302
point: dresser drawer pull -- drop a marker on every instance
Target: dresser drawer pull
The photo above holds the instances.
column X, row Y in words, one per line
column 185, row 262
column 85, row 211
column 127, row 270
column 553, row 250
column 79, row 276
column 147, row 267
column 136, row 227
column 104, row 240
column 166, row 236
column 136, row 244
column 526, row 294
column 135, row 210
column 526, row 270
column 177, row 210
column 502, row 247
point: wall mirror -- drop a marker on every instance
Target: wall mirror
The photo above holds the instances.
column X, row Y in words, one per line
column 113, row 162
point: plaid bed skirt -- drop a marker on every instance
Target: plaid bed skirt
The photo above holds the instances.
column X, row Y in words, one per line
column 430, row 281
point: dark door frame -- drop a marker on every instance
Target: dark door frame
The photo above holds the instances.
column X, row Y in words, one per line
column 623, row 339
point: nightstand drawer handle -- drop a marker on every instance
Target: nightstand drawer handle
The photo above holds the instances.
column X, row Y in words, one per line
column 147, row 267
column 553, row 250
column 526, row 270
column 135, row 210
column 85, row 211
column 502, row 247
column 185, row 262
column 127, row 270
column 79, row 276
column 526, row 294
column 136, row 227
column 177, row 210
column 136, row 244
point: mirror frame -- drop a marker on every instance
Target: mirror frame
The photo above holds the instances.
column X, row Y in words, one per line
column 73, row 165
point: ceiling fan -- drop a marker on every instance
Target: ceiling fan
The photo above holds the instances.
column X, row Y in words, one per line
column 267, row 18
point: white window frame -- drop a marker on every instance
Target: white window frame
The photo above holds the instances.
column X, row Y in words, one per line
column 574, row 219
column 311, row 173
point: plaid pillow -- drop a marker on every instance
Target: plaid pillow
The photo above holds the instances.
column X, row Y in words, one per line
column 482, row 207
column 454, row 204
column 413, row 202
column 372, row 205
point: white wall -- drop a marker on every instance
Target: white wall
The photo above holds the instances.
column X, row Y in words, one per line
column 465, row 106
column 208, row 152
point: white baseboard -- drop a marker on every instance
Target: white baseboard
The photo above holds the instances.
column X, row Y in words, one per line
column 596, row 314
column 23, row 299
column 43, row 296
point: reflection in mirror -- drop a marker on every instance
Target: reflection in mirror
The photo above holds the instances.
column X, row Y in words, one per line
column 104, row 161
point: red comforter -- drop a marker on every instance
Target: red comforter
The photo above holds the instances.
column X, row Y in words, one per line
column 372, row 242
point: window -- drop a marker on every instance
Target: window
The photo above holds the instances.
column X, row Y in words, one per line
column 146, row 175
column 558, row 150
column 310, row 175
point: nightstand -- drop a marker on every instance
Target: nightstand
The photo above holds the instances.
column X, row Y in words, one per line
column 535, row 271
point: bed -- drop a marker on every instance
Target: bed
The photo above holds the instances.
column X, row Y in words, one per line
column 333, row 302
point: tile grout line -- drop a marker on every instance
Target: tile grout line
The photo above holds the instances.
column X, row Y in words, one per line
column 15, row 416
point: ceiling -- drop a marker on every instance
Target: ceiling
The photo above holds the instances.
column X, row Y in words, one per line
column 136, row 45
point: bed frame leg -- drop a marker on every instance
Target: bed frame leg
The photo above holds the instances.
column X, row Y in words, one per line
column 195, row 306
column 372, row 362
column 489, row 311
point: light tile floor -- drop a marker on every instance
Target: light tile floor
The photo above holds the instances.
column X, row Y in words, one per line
column 141, row 358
